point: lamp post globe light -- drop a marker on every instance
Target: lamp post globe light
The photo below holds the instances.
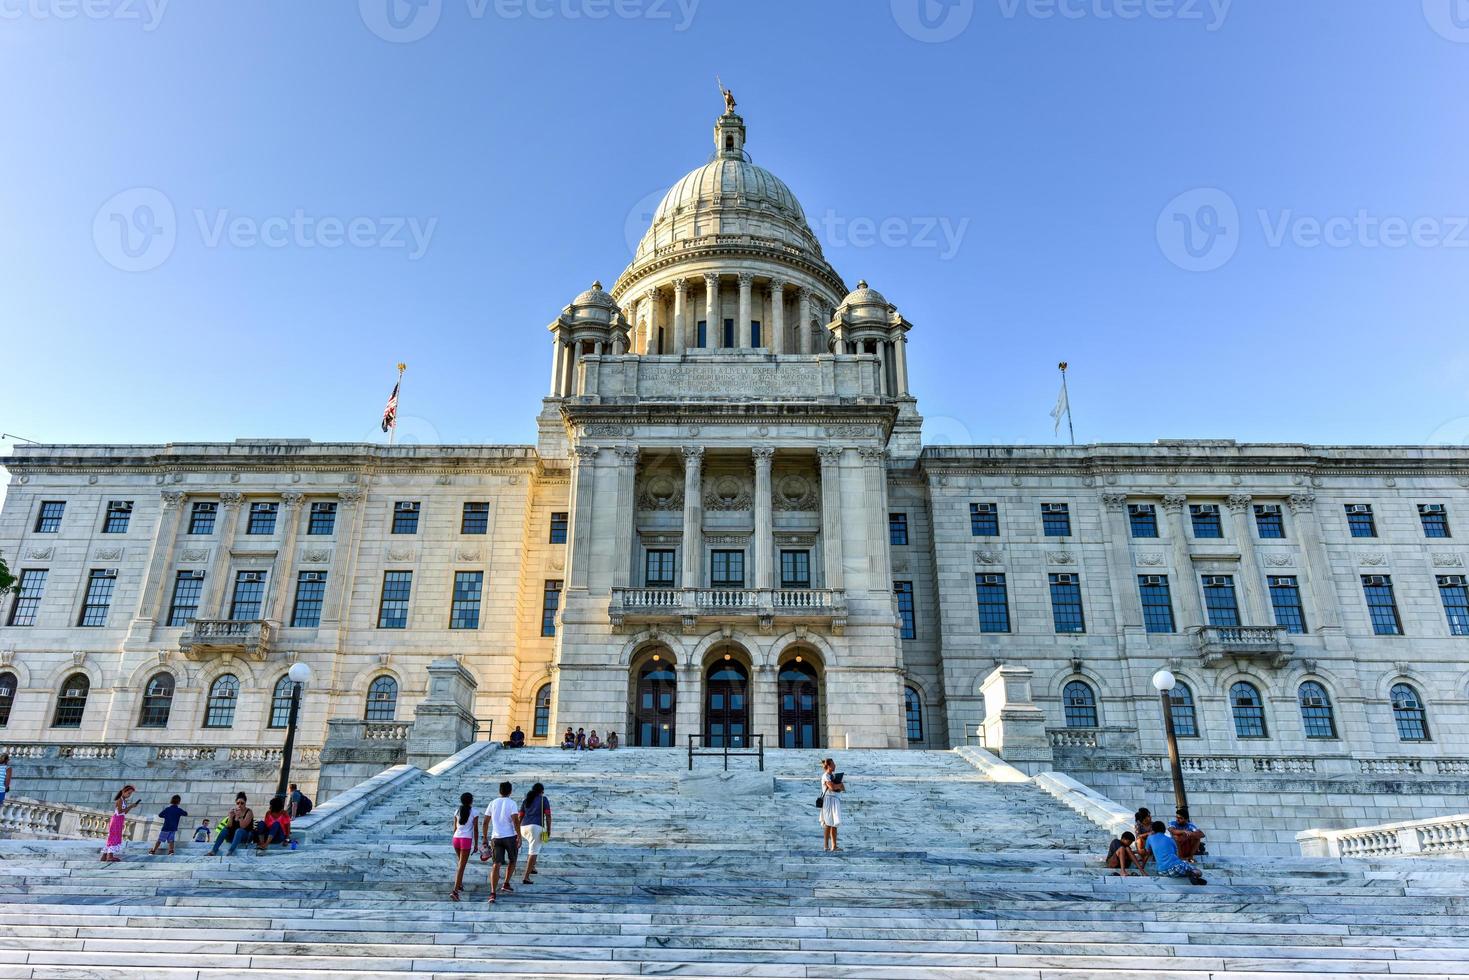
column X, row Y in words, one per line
column 300, row 676
column 1164, row 682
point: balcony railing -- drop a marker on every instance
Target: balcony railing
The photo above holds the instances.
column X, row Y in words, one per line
column 1270, row 643
column 246, row 638
column 767, row 606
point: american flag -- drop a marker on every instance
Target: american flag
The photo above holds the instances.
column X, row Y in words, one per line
column 390, row 411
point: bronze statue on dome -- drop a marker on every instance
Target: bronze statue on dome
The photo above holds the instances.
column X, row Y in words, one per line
column 729, row 99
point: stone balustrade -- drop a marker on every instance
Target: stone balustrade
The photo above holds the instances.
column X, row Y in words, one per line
column 688, row 606
column 1271, row 644
column 248, row 639
column 37, row 820
column 1439, row 836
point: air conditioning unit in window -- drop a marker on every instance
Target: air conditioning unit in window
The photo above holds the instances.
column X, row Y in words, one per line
column 195, row 573
column 990, row 579
column 252, row 577
column 1053, row 508
column 1313, row 702
column 1404, row 706
column 1152, row 580
column 107, row 572
column 119, row 505
column 1375, row 580
column 1267, row 508
column 1430, row 508
column 1064, row 579
column 1220, row 581
column 1359, row 508
column 1451, row 580
column 74, row 692
column 407, row 505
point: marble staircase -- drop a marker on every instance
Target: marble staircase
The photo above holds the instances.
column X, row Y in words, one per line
column 944, row 874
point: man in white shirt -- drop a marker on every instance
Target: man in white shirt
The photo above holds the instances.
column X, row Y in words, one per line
column 502, row 838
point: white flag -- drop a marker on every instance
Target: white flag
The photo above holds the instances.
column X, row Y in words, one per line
column 1062, row 407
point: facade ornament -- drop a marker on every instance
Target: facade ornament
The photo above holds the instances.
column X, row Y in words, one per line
column 1151, row 559
column 78, row 657
column 1279, row 559
column 1372, row 559
column 746, row 279
column 1174, row 501
column 1088, row 481
column 763, row 452
column 587, row 454
column 986, row 556
column 191, row 555
column 1016, row 481
column 41, row 554
column 872, row 452
column 349, row 498
column 693, row 454
column 1448, row 559
column 1060, row 558
column 443, row 479
column 92, row 479
column 1389, row 481
column 728, row 493
column 316, row 556
column 1114, row 501
column 1238, row 502
column 291, row 499
column 400, row 554
column 627, row 454
column 108, row 554
column 231, row 499
column 171, row 499
column 1303, row 501
column 468, row 554
column 794, row 492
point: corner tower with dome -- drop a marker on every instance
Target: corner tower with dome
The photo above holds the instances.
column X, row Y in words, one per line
column 730, row 410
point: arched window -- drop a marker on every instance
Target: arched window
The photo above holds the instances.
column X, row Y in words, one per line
column 382, row 699
column 8, row 685
column 1316, row 711
column 1185, row 720
column 71, row 703
column 913, row 707
column 280, row 703
column 224, row 694
column 157, row 701
column 1407, row 711
column 1080, row 704
column 1249, row 710
column 541, row 727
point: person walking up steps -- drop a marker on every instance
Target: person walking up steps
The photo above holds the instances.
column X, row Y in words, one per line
column 466, row 832
column 535, row 827
column 502, row 834
column 171, row 815
column 831, row 804
column 112, row 850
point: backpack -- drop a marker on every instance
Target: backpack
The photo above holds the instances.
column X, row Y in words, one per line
column 303, row 807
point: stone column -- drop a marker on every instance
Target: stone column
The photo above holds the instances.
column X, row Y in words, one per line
column 900, row 356
column 568, row 369
column 1127, row 603
column 345, row 548
column 831, row 516
column 1185, row 586
column 714, row 335
column 647, row 330
column 627, row 473
column 693, row 517
column 285, row 561
column 579, row 533
column 880, row 349
column 742, row 329
column 231, row 501
column 689, row 709
column 764, row 526
column 777, row 325
column 681, row 337
column 165, row 543
column 765, row 705
column 803, row 328
column 557, row 349
column 874, row 504
column 1257, row 611
column 1317, row 570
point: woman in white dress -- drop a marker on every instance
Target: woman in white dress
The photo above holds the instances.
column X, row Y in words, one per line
column 831, row 805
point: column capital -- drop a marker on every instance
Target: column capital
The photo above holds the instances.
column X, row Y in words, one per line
column 628, row 454
column 1298, row 502
column 830, row 455
column 680, row 283
column 777, row 286
column 230, row 499
column 746, row 279
column 762, row 454
column 872, row 452
column 586, row 453
column 172, row 498
column 1114, row 501
column 349, row 498
column 1174, row 501
column 1238, row 502
column 711, row 279
column 693, row 454
column 291, row 499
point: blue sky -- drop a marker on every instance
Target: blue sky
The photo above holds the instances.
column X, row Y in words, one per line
column 1242, row 220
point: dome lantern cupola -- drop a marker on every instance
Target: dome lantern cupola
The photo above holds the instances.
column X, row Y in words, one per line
column 592, row 325
column 729, row 137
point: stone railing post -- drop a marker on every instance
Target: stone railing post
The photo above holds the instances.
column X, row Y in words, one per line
column 1014, row 727
column 444, row 721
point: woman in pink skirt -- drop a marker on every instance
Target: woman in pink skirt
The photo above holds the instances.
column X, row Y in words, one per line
column 120, row 807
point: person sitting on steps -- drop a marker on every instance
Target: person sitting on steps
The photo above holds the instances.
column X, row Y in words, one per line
column 568, row 741
column 581, row 739
column 611, row 740
column 1142, row 826
column 517, row 739
column 1165, row 852
column 1187, row 835
column 593, row 742
column 1120, row 854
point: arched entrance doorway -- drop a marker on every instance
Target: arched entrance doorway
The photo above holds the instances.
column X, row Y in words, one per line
column 655, row 704
column 800, row 704
column 727, row 703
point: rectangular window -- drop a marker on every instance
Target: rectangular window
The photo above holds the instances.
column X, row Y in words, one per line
column 755, row 337
column 1205, row 519
column 1056, row 520
column 323, row 520
column 310, row 594
column 1268, row 521
column 1066, row 603
column 262, row 517
column 188, row 586
column 1285, row 596
column 249, row 595
column 703, row 334
column 464, row 612
column 29, row 587
column 100, row 583
column 550, row 602
column 729, row 333
column 795, row 569
column 1360, row 521
column 1220, row 601
column 1382, row 606
column 1157, row 603
column 48, row 521
column 904, row 592
column 658, row 568
column 1144, row 520
column 897, row 529
column 558, row 527
column 405, row 517
column 392, row 611
column 1435, row 518
column 994, row 603
column 476, row 518
column 1454, row 591
column 201, row 517
column 727, row 570
column 984, row 520
column 119, row 512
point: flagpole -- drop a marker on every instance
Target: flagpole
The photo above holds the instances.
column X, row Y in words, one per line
column 1071, row 429
column 393, row 432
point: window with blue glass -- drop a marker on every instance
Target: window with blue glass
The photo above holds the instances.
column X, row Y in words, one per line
column 1435, row 518
column 727, row 569
column 1248, row 710
column 795, row 569
column 188, row 587
column 1080, row 705
column 48, row 521
column 904, row 592
column 729, row 333
column 560, row 521
column 913, row 712
column 119, row 513
column 201, row 517
column 1144, row 520
column 1205, row 518
column 1360, row 521
column 1382, row 605
column 541, row 725
column 464, row 610
column 1316, row 716
column 1454, row 592
column 476, row 517
column 392, row 611
column 994, row 603
column 1285, row 596
column 1269, row 522
column 984, row 520
column 382, row 700
column 1056, row 520
column 98, row 600
column 658, row 568
column 1185, row 719
column 30, row 586
column 405, row 517
column 1157, row 603
column 262, row 517
column 703, row 334
column 755, row 337
column 1220, row 602
column 323, row 518
column 310, row 595
column 1409, row 713
column 897, row 529
column 1066, row 603
column 248, row 597
column 550, row 602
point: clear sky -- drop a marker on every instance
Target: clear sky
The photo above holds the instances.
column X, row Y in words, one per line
column 1235, row 220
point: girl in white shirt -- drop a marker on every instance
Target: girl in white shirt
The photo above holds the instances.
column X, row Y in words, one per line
column 466, row 832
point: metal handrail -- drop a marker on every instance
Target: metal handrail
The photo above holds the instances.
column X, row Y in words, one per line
column 759, row 751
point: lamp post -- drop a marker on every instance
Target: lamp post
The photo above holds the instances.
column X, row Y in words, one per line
column 1163, row 681
column 300, row 675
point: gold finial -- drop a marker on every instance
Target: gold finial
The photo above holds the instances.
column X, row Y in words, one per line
column 402, row 367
